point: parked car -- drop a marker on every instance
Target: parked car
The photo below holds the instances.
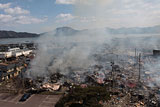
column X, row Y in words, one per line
column 25, row 97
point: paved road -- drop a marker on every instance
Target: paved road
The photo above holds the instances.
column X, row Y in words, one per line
column 8, row 100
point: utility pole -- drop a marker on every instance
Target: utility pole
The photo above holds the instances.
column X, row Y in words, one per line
column 112, row 65
column 112, row 73
column 135, row 53
column 139, row 77
column 135, row 58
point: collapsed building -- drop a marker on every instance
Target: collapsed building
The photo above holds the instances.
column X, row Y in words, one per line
column 124, row 74
column 10, row 70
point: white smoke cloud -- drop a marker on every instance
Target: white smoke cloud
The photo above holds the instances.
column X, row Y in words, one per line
column 67, row 53
column 115, row 13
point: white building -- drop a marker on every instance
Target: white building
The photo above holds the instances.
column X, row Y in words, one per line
column 14, row 52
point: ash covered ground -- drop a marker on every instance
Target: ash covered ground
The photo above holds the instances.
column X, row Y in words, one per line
column 126, row 66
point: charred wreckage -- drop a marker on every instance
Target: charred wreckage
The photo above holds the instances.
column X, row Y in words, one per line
column 128, row 83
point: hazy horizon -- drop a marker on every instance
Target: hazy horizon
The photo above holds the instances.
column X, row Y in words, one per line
column 40, row 16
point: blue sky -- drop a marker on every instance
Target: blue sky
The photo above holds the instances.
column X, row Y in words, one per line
column 43, row 12
column 45, row 15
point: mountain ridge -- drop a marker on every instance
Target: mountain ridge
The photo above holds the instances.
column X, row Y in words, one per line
column 70, row 31
column 13, row 34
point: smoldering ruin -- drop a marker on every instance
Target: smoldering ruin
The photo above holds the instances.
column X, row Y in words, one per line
column 113, row 62
column 127, row 69
column 65, row 53
column 126, row 65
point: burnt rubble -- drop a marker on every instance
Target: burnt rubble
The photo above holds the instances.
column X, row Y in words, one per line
column 121, row 82
column 128, row 79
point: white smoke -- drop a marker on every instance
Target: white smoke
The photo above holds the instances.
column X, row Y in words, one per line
column 65, row 53
column 69, row 53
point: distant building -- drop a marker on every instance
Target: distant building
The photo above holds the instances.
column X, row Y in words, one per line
column 156, row 52
column 14, row 52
